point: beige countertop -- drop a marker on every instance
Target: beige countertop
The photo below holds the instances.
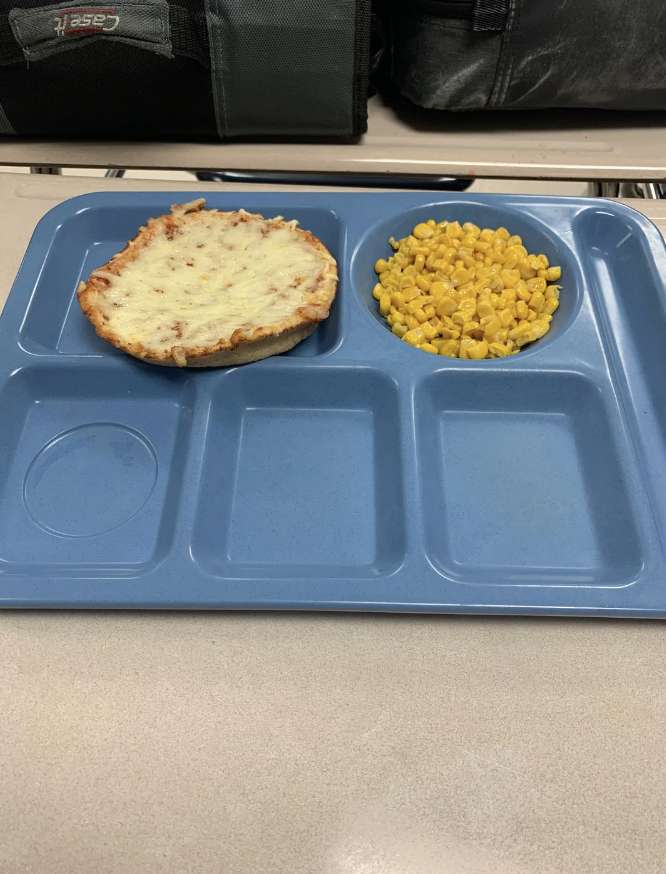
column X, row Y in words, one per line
column 401, row 138
column 161, row 743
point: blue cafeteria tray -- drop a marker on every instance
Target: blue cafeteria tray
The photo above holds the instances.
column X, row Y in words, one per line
column 354, row 472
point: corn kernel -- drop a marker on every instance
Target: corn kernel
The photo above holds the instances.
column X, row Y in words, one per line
column 423, row 283
column 553, row 291
column 526, row 269
column 410, row 293
column 445, row 306
column 537, row 285
column 414, row 337
column 529, row 337
column 449, row 348
column 423, row 232
column 522, row 291
column 498, row 349
column 429, row 310
column 384, row 305
column 412, row 323
column 550, row 306
column 428, row 347
column 540, row 328
column 553, row 274
column 479, row 350
column 399, row 330
column 420, row 316
column 521, row 309
column 419, row 263
column 520, row 331
column 537, row 302
column 515, row 240
column 429, row 331
column 532, row 315
column 381, row 266
column 470, row 327
column 377, row 291
column 505, row 317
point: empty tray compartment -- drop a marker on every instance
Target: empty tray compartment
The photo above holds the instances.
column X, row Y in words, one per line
column 521, row 481
column 302, row 475
column 91, row 468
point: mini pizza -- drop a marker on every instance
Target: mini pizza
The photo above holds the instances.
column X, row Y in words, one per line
column 205, row 288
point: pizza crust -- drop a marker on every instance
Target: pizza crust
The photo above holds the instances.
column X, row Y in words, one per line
column 108, row 296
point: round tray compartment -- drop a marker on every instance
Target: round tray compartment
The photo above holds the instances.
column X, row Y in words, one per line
column 536, row 235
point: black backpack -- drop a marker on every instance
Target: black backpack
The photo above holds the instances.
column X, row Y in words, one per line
column 184, row 69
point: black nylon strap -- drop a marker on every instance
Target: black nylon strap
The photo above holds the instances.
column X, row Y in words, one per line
column 490, row 14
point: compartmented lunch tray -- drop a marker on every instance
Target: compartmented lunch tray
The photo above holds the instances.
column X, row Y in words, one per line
column 354, row 472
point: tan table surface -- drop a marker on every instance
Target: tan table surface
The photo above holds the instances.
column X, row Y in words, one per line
column 402, row 138
column 161, row 743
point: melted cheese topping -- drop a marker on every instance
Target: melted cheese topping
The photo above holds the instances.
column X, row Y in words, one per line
column 217, row 275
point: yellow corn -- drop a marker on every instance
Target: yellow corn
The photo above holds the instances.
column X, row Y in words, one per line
column 498, row 349
column 540, row 328
column 529, row 337
column 537, row 302
column 449, row 348
column 478, row 351
column 429, row 331
column 538, row 285
column 505, row 316
column 414, row 337
column 522, row 291
column 444, row 280
column 445, row 306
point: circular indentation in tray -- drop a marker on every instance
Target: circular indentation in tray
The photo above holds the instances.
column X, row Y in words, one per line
column 90, row 480
column 537, row 237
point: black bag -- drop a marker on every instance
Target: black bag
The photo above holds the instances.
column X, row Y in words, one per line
column 528, row 54
column 184, row 69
